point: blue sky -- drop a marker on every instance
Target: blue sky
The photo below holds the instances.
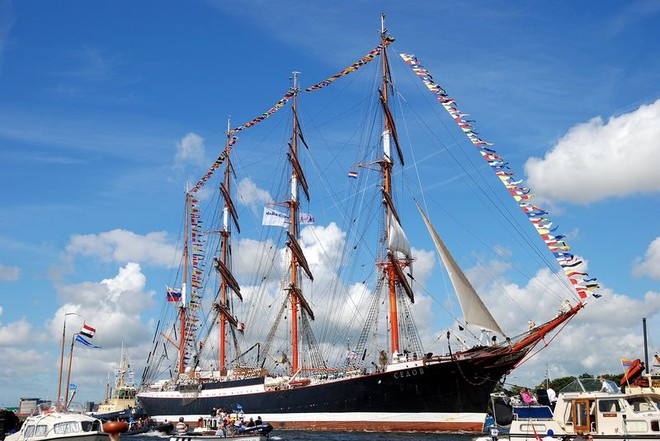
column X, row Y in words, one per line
column 107, row 109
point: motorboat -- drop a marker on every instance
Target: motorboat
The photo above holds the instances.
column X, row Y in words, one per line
column 50, row 423
column 581, row 409
column 209, row 430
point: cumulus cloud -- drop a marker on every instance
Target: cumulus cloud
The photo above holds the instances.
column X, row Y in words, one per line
column 9, row 273
column 16, row 333
column 124, row 246
column 190, row 150
column 597, row 159
column 119, row 298
column 649, row 265
column 251, row 195
column 113, row 306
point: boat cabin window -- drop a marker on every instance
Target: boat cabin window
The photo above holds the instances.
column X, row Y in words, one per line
column 609, row 406
column 641, row 404
column 637, row 426
column 66, row 427
column 36, row 431
column 90, row 426
column 29, row 431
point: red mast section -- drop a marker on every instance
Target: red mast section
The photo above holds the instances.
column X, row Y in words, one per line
column 392, row 267
column 222, row 265
column 298, row 260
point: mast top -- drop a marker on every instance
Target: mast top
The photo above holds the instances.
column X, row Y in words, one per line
column 294, row 79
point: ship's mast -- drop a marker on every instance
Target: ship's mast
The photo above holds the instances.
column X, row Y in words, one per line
column 227, row 281
column 298, row 261
column 387, row 165
column 293, row 229
column 224, row 252
column 182, row 306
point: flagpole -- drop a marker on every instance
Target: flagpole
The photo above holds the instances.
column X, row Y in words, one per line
column 68, row 377
column 59, row 381
column 646, row 346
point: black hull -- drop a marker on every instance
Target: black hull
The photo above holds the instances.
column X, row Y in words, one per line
column 437, row 387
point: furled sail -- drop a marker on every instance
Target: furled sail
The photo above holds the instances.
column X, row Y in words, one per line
column 473, row 307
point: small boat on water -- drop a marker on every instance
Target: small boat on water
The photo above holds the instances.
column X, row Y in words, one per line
column 49, row 423
column 581, row 410
column 209, row 429
column 242, row 437
column 255, row 434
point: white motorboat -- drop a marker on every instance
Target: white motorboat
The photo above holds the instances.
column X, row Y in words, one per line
column 48, row 423
column 581, row 410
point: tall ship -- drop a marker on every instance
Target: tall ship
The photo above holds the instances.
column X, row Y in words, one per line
column 312, row 325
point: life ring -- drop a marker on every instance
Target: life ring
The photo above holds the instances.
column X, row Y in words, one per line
column 114, row 427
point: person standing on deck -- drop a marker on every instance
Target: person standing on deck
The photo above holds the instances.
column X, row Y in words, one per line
column 605, row 386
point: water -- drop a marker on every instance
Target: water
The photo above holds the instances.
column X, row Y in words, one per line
column 298, row 435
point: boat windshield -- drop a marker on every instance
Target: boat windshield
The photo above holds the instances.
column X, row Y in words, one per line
column 588, row 384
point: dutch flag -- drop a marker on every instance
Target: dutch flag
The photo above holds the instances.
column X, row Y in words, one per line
column 87, row 331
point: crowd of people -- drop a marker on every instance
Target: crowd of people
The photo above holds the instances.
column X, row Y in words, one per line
column 226, row 423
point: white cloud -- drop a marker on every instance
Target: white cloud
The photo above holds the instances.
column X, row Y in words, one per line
column 119, row 298
column 251, row 195
column 9, row 273
column 596, row 160
column 113, row 306
column 190, row 150
column 250, row 254
column 124, row 246
column 16, row 333
column 649, row 265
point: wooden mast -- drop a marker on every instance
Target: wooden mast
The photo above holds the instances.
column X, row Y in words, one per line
column 387, row 165
column 59, row 382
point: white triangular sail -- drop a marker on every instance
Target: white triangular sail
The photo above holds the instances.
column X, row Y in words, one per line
column 473, row 307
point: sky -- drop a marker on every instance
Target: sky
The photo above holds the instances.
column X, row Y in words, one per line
column 108, row 109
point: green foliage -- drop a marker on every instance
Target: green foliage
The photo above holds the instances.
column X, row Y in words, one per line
column 558, row 383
